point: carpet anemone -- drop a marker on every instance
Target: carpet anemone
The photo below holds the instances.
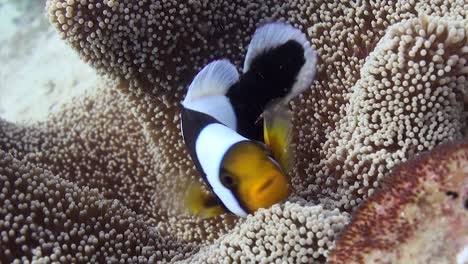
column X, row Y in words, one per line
column 102, row 179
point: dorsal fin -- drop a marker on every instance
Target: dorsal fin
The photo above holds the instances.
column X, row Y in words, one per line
column 213, row 80
column 274, row 35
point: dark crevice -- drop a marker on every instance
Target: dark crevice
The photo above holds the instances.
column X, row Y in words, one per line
column 452, row 194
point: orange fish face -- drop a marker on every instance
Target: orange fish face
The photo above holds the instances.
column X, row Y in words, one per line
column 254, row 177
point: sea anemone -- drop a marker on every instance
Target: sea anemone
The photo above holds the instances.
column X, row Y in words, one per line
column 391, row 83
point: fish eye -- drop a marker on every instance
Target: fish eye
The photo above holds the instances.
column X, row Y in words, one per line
column 227, row 179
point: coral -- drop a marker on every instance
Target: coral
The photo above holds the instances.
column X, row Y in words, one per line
column 98, row 142
column 297, row 232
column 129, row 41
column 409, row 98
column 419, row 215
column 391, row 83
column 132, row 40
column 46, row 218
column 92, row 143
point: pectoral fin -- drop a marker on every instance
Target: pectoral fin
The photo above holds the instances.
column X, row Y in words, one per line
column 277, row 132
column 202, row 204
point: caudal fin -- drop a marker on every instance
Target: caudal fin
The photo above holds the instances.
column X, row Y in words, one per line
column 280, row 64
column 206, row 94
column 282, row 53
column 213, row 80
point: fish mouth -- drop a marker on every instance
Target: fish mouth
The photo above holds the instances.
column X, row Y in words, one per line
column 265, row 185
column 268, row 192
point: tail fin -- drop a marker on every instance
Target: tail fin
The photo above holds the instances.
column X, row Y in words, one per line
column 206, row 93
column 279, row 65
column 291, row 51
column 213, row 80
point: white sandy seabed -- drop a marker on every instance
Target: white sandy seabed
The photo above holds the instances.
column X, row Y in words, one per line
column 38, row 71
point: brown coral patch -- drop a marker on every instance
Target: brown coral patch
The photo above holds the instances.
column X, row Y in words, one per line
column 418, row 215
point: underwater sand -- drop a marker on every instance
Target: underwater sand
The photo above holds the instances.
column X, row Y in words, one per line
column 38, row 71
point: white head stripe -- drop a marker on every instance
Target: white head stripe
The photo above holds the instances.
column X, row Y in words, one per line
column 212, row 144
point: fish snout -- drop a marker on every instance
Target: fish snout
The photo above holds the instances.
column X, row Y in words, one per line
column 272, row 190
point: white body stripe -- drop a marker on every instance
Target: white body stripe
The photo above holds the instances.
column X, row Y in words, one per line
column 218, row 107
column 273, row 35
column 212, row 144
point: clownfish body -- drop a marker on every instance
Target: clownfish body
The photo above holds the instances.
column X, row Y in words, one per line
column 221, row 128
